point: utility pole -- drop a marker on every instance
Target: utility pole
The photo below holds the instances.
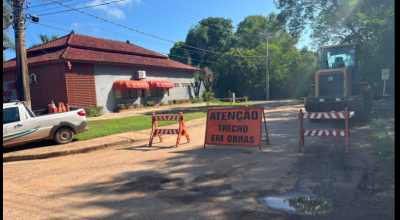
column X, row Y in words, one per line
column 20, row 50
column 267, row 76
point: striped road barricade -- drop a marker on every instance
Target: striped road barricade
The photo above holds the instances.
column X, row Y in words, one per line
column 159, row 132
column 323, row 132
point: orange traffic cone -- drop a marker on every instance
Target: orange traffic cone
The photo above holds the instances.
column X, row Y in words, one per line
column 67, row 106
column 53, row 108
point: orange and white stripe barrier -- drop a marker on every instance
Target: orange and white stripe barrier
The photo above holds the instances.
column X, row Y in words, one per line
column 324, row 133
column 156, row 131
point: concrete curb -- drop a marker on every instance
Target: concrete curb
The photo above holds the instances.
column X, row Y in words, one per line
column 137, row 109
column 63, row 153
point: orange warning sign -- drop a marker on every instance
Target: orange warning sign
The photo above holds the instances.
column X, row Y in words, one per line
column 234, row 126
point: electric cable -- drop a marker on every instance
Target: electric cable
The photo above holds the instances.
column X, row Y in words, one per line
column 144, row 32
column 81, row 7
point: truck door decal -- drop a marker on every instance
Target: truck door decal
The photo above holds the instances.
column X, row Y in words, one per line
column 21, row 134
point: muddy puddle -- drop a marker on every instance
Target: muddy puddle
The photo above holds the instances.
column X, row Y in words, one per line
column 308, row 205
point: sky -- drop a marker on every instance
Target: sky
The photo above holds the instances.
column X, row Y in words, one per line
column 168, row 19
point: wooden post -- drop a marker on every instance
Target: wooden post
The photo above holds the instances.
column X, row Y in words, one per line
column 153, row 129
column 301, row 129
column 20, row 53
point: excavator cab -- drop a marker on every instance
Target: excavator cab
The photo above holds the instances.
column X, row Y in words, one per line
column 338, row 82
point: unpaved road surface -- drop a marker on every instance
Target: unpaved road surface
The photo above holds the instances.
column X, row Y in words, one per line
column 219, row 182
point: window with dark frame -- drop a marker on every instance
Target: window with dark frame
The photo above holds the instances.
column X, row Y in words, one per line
column 176, row 85
column 157, row 93
column 184, row 85
column 10, row 115
column 129, row 93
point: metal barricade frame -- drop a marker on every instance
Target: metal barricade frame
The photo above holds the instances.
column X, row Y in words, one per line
column 324, row 132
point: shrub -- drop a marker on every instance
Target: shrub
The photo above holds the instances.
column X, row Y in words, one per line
column 184, row 100
column 174, row 101
column 170, row 102
column 207, row 95
column 121, row 107
column 149, row 103
column 161, row 103
column 127, row 106
column 135, row 105
column 197, row 100
column 94, row 111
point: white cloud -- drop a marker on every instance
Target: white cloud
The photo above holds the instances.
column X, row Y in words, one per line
column 114, row 10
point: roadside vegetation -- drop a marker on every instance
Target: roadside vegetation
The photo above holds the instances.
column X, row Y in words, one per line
column 101, row 128
column 383, row 111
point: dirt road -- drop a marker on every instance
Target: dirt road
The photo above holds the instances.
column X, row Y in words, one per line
column 219, row 182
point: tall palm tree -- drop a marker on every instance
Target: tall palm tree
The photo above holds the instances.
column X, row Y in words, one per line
column 7, row 41
column 45, row 39
column 7, row 11
column 198, row 37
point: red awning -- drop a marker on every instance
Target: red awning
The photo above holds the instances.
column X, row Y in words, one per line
column 130, row 84
column 160, row 84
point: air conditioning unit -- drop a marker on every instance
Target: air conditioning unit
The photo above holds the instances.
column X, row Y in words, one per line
column 140, row 74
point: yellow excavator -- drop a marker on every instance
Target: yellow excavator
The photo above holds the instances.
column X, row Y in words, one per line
column 339, row 83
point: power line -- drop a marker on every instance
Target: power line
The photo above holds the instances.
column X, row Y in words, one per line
column 81, row 7
column 89, row 28
column 28, row 34
column 93, row 29
column 154, row 51
column 47, row 9
column 144, row 32
column 51, row 27
column 170, row 10
column 182, row 8
column 35, row 6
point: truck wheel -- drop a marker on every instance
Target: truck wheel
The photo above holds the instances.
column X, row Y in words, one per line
column 63, row 135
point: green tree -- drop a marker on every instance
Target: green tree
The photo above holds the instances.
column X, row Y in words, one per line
column 180, row 53
column 368, row 22
column 7, row 11
column 7, row 41
column 45, row 39
column 198, row 37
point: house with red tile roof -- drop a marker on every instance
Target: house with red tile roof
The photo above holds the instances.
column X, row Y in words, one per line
column 89, row 71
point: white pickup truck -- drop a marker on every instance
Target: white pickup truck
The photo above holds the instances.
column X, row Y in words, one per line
column 21, row 126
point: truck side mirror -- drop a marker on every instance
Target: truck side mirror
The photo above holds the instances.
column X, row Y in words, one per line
column 360, row 75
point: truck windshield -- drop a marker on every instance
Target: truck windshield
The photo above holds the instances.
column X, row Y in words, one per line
column 338, row 57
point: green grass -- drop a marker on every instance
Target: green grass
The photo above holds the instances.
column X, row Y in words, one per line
column 228, row 103
column 101, row 128
column 382, row 142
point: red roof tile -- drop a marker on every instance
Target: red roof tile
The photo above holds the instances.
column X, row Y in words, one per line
column 109, row 45
column 59, row 42
column 106, row 57
column 96, row 43
column 77, row 47
column 37, row 58
column 77, row 54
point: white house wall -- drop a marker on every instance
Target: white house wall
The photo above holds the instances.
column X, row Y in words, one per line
column 106, row 75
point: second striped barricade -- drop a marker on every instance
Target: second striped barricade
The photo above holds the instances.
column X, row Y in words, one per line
column 159, row 132
column 324, row 132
